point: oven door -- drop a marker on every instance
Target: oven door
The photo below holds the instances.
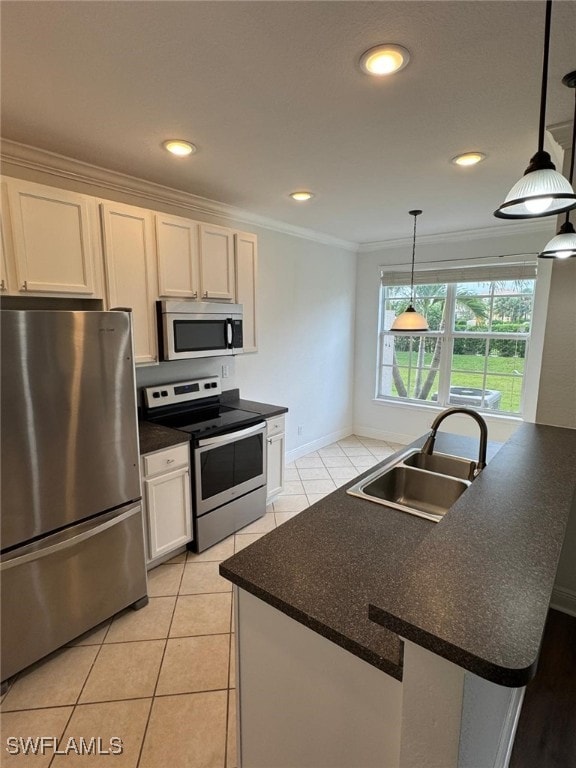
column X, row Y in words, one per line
column 229, row 466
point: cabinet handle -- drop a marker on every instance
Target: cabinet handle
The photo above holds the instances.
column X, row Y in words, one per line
column 269, row 440
column 2, row 286
column 205, row 294
column 195, row 295
column 170, row 461
column 25, row 285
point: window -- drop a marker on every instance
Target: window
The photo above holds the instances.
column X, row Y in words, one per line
column 475, row 351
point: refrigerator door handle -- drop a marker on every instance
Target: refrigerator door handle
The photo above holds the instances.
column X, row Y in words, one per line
column 92, row 528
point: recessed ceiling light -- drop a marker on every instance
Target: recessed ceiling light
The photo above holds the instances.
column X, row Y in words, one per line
column 384, row 59
column 179, row 148
column 301, row 196
column 469, row 158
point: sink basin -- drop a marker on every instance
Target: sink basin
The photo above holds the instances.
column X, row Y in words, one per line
column 426, row 486
column 442, row 464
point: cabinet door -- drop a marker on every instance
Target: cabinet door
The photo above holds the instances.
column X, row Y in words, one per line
column 130, row 276
column 216, row 263
column 177, row 251
column 168, row 512
column 275, row 471
column 246, row 253
column 52, row 238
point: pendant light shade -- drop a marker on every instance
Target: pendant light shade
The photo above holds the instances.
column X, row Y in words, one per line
column 563, row 245
column 542, row 191
column 410, row 320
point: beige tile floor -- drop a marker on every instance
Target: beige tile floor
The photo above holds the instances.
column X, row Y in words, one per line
column 162, row 679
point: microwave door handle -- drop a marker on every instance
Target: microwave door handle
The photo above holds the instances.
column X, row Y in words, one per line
column 229, row 333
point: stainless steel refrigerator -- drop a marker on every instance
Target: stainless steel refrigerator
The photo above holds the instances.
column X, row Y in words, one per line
column 72, row 548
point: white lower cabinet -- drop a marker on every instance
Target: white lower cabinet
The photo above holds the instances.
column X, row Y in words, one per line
column 275, row 446
column 166, row 500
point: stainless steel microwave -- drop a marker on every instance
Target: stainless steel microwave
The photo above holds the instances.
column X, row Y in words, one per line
column 188, row 329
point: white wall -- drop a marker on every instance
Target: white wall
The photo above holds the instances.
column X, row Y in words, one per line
column 557, row 393
column 402, row 423
column 306, row 337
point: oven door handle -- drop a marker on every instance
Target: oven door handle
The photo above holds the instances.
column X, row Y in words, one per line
column 231, row 437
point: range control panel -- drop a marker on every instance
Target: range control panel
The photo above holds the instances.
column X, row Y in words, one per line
column 182, row 391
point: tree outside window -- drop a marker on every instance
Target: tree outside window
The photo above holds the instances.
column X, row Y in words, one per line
column 474, row 353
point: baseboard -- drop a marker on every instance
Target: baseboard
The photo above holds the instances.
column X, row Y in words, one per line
column 322, row 442
column 564, row 600
column 381, row 434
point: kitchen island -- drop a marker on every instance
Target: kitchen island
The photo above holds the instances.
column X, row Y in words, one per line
column 468, row 596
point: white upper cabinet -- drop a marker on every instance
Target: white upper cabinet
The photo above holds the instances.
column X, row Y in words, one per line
column 178, row 259
column 246, row 253
column 128, row 236
column 52, row 239
column 217, row 279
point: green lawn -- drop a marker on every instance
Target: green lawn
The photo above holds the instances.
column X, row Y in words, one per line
column 504, row 374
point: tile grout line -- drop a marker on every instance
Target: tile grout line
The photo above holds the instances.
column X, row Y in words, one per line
column 144, row 734
column 68, row 721
column 80, row 692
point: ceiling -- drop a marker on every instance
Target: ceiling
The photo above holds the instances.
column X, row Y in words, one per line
column 271, row 94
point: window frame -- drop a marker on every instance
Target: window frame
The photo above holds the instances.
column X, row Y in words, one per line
column 449, row 335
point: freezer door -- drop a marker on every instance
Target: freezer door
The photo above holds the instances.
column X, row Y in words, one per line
column 54, row 590
column 69, row 436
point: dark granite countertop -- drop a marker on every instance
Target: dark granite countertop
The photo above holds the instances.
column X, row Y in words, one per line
column 154, row 437
column 232, row 399
column 473, row 588
column 478, row 592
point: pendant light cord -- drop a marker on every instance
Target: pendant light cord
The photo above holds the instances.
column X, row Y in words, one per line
column 542, row 127
column 413, row 256
column 571, row 171
column 573, row 150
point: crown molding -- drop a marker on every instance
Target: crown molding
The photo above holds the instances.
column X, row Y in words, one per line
column 541, row 226
column 60, row 166
column 562, row 133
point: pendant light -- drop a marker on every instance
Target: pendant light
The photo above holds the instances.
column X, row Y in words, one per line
column 410, row 320
column 542, row 191
column 563, row 245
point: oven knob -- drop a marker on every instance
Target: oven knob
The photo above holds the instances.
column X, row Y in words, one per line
column 164, row 393
column 214, row 384
column 206, row 386
column 155, row 394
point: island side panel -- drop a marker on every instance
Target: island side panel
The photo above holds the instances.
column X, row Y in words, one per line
column 453, row 718
column 304, row 701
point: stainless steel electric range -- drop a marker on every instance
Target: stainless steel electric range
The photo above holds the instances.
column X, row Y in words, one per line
column 228, row 455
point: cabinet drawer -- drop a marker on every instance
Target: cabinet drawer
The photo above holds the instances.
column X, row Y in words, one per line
column 275, row 426
column 169, row 459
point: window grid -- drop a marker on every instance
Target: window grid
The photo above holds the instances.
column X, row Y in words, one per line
column 448, row 364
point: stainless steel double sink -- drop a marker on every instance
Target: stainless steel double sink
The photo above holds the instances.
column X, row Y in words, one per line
column 426, row 485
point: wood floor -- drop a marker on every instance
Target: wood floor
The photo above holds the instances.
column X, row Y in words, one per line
column 546, row 736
